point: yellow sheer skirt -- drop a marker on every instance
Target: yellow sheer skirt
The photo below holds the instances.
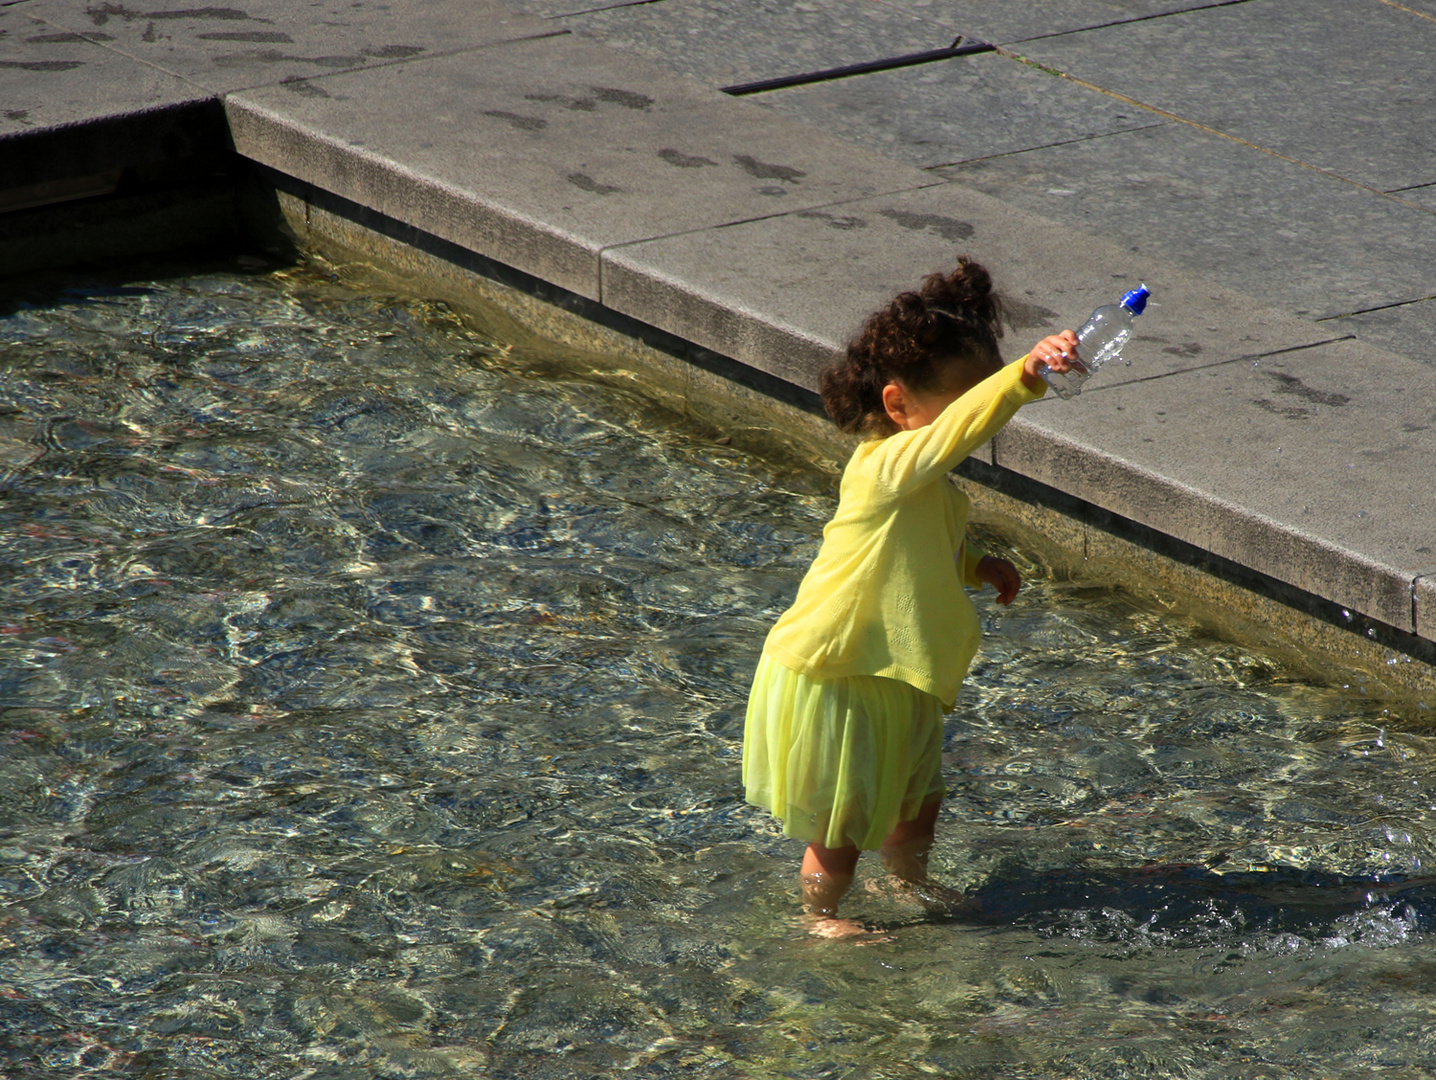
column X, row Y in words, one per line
column 840, row 761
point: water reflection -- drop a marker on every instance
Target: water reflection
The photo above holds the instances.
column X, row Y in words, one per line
column 370, row 706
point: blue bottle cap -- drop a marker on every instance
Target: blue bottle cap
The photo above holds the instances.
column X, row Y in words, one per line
column 1136, row 300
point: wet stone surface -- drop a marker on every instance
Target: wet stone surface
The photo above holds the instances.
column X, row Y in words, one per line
column 262, row 42
column 371, row 703
column 551, row 152
column 957, row 110
column 1330, row 86
column 722, row 42
column 1002, row 23
column 50, row 77
column 1288, row 236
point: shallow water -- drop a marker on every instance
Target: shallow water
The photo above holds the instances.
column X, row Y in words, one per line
column 370, row 706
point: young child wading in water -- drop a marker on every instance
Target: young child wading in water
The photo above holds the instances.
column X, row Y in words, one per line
column 843, row 739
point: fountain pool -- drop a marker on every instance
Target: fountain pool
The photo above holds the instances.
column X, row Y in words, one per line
column 370, row 705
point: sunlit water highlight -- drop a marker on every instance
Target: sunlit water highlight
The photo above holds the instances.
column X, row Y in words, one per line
column 370, row 706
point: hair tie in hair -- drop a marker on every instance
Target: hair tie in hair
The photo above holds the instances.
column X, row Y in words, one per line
column 965, row 317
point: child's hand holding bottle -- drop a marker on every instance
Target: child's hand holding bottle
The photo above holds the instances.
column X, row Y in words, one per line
column 1056, row 353
column 1102, row 337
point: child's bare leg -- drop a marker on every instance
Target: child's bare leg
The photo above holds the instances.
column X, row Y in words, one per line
column 827, row 874
column 906, row 848
column 905, row 853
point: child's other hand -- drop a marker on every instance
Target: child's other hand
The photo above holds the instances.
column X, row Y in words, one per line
column 1059, row 352
column 1001, row 575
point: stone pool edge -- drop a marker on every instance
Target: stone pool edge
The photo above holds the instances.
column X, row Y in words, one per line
column 659, row 229
column 1063, row 532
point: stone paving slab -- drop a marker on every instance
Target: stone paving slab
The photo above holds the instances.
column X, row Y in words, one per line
column 1409, row 329
column 70, row 108
column 52, row 78
column 548, row 151
column 557, row 9
column 1306, row 466
column 1344, row 87
column 1003, row 21
column 1291, row 236
column 784, row 294
column 271, row 41
column 725, row 42
column 957, row 110
column 1424, row 195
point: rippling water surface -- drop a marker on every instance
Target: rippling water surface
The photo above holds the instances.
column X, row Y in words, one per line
column 370, row 706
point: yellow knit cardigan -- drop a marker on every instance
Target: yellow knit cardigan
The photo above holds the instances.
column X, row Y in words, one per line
column 884, row 595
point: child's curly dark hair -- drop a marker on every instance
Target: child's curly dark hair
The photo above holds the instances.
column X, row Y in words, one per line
column 954, row 319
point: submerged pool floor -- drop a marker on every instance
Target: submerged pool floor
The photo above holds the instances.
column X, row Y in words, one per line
column 371, row 701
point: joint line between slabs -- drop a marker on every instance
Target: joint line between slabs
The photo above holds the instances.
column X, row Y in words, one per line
column 189, row 80
column 1128, row 22
column 1409, row 11
column 1221, row 363
column 936, row 182
column 1378, row 307
column 1011, row 55
column 1044, row 146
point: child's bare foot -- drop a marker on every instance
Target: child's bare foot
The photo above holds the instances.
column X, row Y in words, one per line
column 836, row 929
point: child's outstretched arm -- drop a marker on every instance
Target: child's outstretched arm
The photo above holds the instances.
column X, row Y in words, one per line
column 1058, row 352
column 1001, row 575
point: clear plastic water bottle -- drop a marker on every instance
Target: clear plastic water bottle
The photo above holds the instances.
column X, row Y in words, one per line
column 1100, row 339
